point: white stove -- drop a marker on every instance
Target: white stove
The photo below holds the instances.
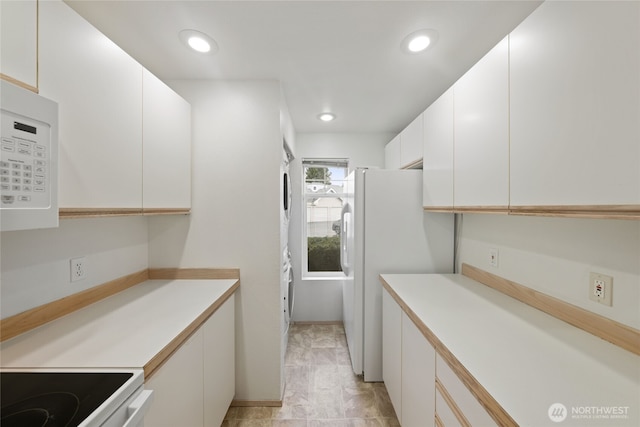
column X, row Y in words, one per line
column 73, row 397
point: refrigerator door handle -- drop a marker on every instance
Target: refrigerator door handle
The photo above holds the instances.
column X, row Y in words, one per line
column 345, row 219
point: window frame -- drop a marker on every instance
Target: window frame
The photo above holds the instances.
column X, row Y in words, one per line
column 317, row 162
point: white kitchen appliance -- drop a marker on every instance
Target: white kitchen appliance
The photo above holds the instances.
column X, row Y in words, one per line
column 385, row 230
column 74, row 397
column 28, row 159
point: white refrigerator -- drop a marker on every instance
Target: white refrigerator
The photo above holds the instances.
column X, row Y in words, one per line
column 384, row 229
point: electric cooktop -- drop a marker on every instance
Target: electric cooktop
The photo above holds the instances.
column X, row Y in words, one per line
column 54, row 399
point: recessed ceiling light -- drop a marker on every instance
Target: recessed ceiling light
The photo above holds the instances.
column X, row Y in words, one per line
column 327, row 117
column 198, row 41
column 419, row 41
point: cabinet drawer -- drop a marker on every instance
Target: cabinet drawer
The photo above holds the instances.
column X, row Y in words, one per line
column 467, row 404
column 444, row 414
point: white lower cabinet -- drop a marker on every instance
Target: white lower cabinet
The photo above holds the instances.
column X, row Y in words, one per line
column 195, row 386
column 408, row 367
column 411, row 368
column 459, row 399
column 177, row 387
column 444, row 413
column 219, row 364
column 392, row 351
column 418, row 377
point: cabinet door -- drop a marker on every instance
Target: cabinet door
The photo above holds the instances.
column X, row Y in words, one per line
column 392, row 154
column 575, row 82
column 481, row 128
column 411, row 143
column 177, row 386
column 418, row 377
column 166, row 140
column 219, row 363
column 392, row 350
column 18, row 41
column 98, row 88
column 437, row 165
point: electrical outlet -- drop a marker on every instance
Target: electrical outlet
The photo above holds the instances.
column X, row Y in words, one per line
column 78, row 269
column 601, row 288
column 493, row 257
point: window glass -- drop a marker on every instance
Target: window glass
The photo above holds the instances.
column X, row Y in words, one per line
column 323, row 199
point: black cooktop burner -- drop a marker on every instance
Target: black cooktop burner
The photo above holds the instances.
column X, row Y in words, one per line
column 54, row 399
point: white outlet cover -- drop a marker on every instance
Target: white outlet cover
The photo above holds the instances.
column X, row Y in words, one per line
column 493, row 257
column 78, row 269
column 604, row 294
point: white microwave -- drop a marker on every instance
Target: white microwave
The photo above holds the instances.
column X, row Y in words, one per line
column 28, row 160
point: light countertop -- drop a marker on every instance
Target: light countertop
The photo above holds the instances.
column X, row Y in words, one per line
column 126, row 330
column 526, row 359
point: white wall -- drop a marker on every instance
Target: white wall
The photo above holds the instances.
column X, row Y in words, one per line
column 237, row 147
column 321, row 300
column 35, row 263
column 555, row 256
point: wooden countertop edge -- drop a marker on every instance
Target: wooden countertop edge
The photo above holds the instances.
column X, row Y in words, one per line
column 27, row 320
column 158, row 360
column 485, row 399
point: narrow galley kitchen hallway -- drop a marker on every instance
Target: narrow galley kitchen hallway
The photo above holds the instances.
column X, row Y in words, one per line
column 321, row 388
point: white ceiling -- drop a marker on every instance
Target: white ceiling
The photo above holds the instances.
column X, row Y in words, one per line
column 339, row 56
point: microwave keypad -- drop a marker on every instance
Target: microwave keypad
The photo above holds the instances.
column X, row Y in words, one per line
column 24, row 174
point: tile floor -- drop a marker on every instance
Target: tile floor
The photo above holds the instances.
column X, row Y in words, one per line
column 321, row 388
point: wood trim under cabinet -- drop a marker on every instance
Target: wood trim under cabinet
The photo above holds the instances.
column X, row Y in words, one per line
column 580, row 211
column 38, row 316
column 165, row 354
column 193, row 273
column 483, row 397
column 445, row 209
column 416, row 164
column 616, row 333
column 627, row 212
column 74, row 213
column 166, row 211
column 503, row 210
column 19, row 83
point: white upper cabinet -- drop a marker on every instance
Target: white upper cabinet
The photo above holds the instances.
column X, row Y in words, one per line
column 575, row 109
column 392, row 154
column 437, row 165
column 166, row 145
column 411, row 144
column 18, row 41
column 481, row 129
column 98, row 88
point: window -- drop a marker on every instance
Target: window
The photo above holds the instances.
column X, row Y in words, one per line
column 323, row 192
